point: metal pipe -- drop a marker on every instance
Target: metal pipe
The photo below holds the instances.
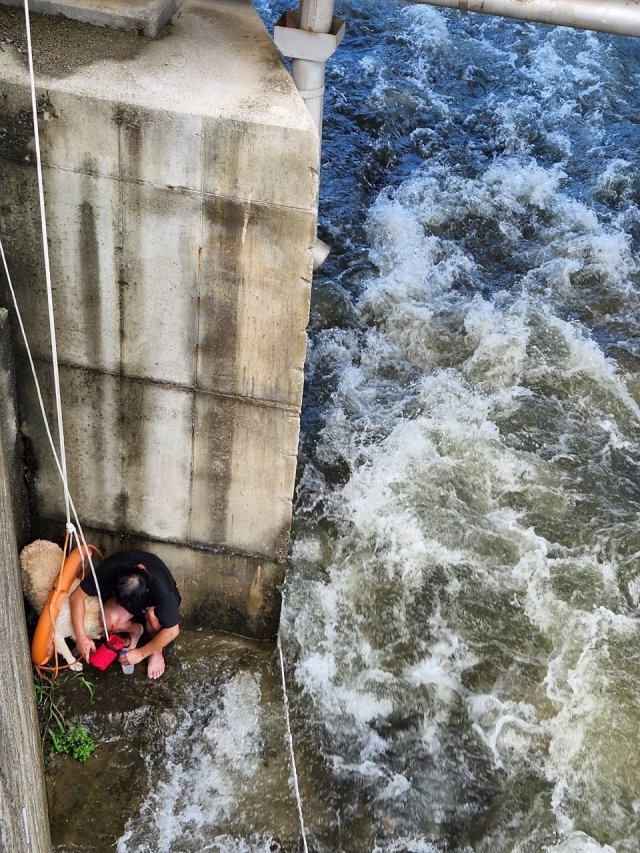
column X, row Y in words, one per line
column 620, row 17
column 314, row 16
column 308, row 75
column 309, row 38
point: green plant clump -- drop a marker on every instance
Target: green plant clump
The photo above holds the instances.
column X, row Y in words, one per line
column 76, row 742
column 64, row 740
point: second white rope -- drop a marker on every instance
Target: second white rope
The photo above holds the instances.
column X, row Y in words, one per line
column 294, row 772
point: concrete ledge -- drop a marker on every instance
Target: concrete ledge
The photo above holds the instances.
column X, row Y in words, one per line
column 23, row 805
column 146, row 18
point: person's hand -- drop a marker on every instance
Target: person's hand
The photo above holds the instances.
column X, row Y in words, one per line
column 86, row 647
column 133, row 656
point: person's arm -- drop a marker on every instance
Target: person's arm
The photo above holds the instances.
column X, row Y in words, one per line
column 157, row 644
column 77, row 605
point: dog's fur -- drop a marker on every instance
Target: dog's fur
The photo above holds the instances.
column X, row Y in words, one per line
column 41, row 561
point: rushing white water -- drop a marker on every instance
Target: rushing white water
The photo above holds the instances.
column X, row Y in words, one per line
column 461, row 608
column 216, row 784
column 464, row 588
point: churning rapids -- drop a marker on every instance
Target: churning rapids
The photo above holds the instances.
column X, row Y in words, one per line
column 461, row 623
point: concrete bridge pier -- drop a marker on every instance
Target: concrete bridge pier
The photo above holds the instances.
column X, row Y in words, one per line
column 181, row 184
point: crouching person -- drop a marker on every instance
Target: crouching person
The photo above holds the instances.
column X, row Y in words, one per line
column 142, row 585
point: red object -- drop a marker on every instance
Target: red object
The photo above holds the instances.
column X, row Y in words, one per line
column 105, row 655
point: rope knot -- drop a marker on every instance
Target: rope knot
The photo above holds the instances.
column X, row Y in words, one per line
column 71, row 528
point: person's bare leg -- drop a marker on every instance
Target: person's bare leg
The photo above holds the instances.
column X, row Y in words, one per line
column 156, row 664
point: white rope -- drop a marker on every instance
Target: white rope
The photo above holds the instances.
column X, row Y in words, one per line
column 47, row 267
column 71, row 528
column 61, row 463
column 294, row 772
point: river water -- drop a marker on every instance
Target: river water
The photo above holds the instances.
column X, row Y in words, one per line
column 461, row 612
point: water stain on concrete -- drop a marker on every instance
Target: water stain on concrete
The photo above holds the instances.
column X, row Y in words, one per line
column 90, row 295
column 220, row 283
column 16, row 129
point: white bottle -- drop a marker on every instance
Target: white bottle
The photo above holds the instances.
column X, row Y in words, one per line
column 127, row 668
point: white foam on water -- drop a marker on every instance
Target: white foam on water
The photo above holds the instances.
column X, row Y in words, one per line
column 592, row 747
column 429, row 29
column 207, row 763
column 557, row 75
column 617, row 180
column 511, row 730
column 229, row 844
column 444, row 493
column 579, row 842
column 405, row 845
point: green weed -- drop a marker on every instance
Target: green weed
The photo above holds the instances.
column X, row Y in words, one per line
column 76, row 742
column 62, row 738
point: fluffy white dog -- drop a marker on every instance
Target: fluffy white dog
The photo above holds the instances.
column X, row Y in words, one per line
column 41, row 561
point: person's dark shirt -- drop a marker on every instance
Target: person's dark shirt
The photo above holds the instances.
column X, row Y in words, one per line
column 163, row 592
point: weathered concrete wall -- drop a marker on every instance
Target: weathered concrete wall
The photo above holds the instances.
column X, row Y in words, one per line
column 181, row 188
column 10, row 433
column 24, row 822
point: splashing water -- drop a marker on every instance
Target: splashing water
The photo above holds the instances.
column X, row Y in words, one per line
column 461, row 605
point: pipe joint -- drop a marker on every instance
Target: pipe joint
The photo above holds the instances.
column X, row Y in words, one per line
column 304, row 44
column 312, row 93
